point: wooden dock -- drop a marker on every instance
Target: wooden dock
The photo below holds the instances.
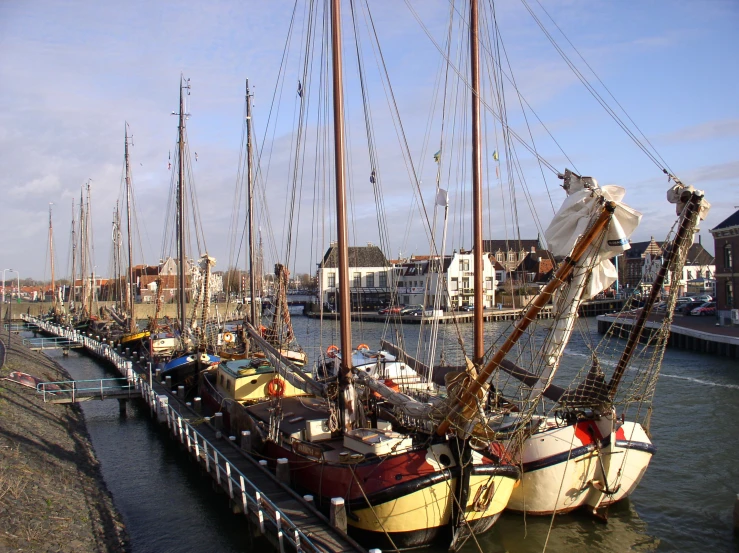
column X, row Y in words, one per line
column 287, row 520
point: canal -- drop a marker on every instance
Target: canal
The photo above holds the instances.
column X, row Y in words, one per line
column 684, row 502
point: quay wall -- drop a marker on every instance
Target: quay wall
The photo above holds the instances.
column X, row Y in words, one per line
column 681, row 337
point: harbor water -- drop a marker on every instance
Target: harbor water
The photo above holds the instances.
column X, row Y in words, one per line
column 684, row 502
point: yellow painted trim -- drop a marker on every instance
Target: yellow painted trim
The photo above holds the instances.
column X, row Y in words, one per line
column 137, row 336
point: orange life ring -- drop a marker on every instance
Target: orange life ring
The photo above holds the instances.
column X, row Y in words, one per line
column 362, row 347
column 228, row 337
column 332, row 350
column 276, row 387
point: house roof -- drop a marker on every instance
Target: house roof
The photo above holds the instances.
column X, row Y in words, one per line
column 359, row 256
column 731, row 221
column 492, row 246
column 697, row 255
column 637, row 249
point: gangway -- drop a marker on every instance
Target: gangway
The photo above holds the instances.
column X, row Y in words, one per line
column 72, row 391
column 40, row 344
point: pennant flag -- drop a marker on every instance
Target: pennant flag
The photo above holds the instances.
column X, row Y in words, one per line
column 300, row 89
column 372, row 176
column 196, row 156
column 442, row 198
column 495, row 155
column 437, row 156
column 169, row 159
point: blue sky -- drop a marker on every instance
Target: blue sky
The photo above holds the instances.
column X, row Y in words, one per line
column 72, row 72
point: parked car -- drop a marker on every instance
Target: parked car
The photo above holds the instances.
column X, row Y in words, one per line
column 393, row 309
column 703, row 298
column 708, row 308
column 467, row 308
column 408, row 309
column 416, row 313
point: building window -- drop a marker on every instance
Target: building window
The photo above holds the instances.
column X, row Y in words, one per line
column 357, row 280
column 728, row 257
column 370, row 280
column 465, row 283
column 464, row 264
column 332, row 280
column 488, row 283
column 729, row 294
column 511, row 256
column 383, row 280
column 499, row 256
column 454, row 285
column 689, row 275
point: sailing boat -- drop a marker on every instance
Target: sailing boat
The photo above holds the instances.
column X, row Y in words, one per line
column 402, row 484
column 582, row 454
column 132, row 337
column 181, row 349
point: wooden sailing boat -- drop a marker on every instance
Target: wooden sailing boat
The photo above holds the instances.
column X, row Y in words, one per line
column 181, row 349
column 402, row 484
column 132, row 337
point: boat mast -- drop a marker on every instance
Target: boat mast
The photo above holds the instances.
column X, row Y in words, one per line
column 51, row 257
column 181, row 209
column 341, row 223
column 683, row 239
column 467, row 400
column 250, row 206
column 129, row 276
column 83, row 257
column 74, row 258
column 478, row 347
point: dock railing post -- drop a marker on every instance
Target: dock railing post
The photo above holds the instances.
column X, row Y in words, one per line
column 197, row 404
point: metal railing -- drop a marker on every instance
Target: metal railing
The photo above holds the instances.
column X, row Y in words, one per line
column 51, row 343
column 239, row 486
column 101, row 388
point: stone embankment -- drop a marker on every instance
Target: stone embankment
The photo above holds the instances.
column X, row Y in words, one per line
column 52, row 494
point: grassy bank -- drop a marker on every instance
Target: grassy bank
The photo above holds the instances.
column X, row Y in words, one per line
column 52, row 495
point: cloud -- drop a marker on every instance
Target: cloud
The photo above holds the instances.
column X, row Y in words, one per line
column 710, row 130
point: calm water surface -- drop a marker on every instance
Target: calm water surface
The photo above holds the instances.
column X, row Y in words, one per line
column 684, row 502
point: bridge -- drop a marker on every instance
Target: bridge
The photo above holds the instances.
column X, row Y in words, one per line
column 40, row 344
column 72, row 391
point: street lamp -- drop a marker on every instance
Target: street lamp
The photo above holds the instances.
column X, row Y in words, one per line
column 19, row 279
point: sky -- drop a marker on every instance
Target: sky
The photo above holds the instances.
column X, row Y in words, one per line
column 73, row 72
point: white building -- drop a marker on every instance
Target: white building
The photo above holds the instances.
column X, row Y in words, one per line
column 371, row 278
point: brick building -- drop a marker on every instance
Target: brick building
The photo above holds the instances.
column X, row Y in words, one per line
column 726, row 241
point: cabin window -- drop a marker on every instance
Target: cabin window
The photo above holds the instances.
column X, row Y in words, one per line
column 370, row 280
column 357, row 280
column 332, row 280
column 228, row 384
column 728, row 257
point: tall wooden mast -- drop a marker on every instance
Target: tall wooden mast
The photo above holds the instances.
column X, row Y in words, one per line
column 181, row 265
column 130, row 299
column 342, row 243
column 478, row 277
column 51, row 258
column 250, row 206
column 74, row 258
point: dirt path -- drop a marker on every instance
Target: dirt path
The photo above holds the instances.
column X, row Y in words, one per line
column 52, row 495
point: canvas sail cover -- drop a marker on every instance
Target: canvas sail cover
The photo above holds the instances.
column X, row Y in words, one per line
column 584, row 197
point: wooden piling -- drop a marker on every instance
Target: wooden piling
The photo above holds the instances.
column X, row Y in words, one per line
column 282, row 471
column 246, row 440
column 338, row 513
